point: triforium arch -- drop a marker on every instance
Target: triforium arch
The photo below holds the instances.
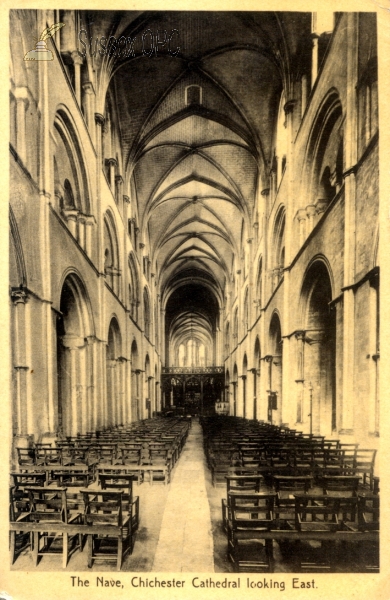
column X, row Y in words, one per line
column 318, row 351
column 115, row 375
column 75, row 336
column 325, row 163
column 111, row 253
column 278, row 246
column 133, row 289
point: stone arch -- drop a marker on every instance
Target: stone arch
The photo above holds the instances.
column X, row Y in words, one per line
column 75, row 333
column 324, row 157
column 319, row 358
column 276, row 367
column 114, row 375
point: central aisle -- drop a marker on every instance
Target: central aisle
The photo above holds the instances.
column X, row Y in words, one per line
column 186, row 542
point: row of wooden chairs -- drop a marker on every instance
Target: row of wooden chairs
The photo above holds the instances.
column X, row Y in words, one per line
column 252, row 520
column 54, row 520
column 243, row 444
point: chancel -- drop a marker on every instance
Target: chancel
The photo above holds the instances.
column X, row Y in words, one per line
column 194, row 292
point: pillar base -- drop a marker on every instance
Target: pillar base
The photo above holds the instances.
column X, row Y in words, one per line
column 346, row 431
column 49, row 438
column 23, row 441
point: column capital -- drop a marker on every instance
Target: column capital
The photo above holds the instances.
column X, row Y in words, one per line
column 119, row 179
column 77, row 57
column 22, row 93
column 141, row 245
column 321, row 206
column 127, row 200
column 111, row 161
column 301, row 214
column 99, row 119
column 289, row 106
column 300, row 335
column 89, row 220
column 72, row 341
column 71, row 215
column 89, row 89
column 311, row 210
column 265, row 192
column 249, row 240
column 19, row 296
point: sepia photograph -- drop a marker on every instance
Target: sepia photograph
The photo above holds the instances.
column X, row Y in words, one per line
column 195, row 202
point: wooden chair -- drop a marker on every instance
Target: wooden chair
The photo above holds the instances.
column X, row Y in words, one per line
column 48, row 506
column 364, row 464
column 26, row 457
column 251, row 515
column 367, row 521
column 19, row 511
column 344, row 487
column 123, row 482
column 238, row 484
column 160, row 465
column 71, row 478
column 285, row 487
column 46, row 455
column 104, row 511
column 22, row 480
column 317, row 513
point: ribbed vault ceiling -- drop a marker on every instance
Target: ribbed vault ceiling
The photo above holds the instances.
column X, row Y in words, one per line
column 197, row 157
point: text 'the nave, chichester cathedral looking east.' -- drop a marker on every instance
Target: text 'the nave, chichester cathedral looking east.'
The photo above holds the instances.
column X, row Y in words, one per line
column 194, row 291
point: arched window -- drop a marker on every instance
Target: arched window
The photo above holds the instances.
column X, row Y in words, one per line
column 146, row 313
column 70, row 181
column 133, row 288
column 279, row 246
column 259, row 282
column 235, row 327
column 246, row 311
column 111, row 254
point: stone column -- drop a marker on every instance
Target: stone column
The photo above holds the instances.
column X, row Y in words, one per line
column 72, row 343
column 112, row 164
column 304, row 94
column 91, row 369
column 19, row 298
column 111, row 392
column 81, row 223
column 77, row 62
column 350, row 151
column 299, row 378
column 314, row 59
column 89, row 222
column 89, row 103
column 119, row 192
column 71, row 217
column 301, row 216
column 22, row 103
